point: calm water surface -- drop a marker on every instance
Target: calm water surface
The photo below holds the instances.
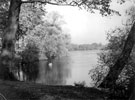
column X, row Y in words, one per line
column 67, row 70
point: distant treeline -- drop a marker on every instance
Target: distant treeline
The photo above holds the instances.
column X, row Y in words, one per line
column 93, row 46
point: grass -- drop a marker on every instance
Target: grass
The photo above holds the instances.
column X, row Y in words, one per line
column 32, row 91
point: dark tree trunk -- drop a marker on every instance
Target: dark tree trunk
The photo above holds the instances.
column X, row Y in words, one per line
column 114, row 72
column 131, row 88
column 8, row 40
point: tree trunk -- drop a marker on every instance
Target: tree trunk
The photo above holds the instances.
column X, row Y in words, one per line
column 8, row 40
column 114, row 72
column 131, row 88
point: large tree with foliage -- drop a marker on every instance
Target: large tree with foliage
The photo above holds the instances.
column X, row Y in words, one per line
column 108, row 57
column 49, row 36
column 119, row 57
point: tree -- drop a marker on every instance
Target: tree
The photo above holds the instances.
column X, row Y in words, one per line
column 29, row 61
column 123, row 57
column 8, row 37
column 116, row 69
column 108, row 57
column 31, row 16
column 56, row 42
column 49, row 37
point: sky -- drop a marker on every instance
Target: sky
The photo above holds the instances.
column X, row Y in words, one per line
column 87, row 28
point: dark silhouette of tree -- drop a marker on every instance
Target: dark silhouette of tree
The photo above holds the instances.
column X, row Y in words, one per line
column 116, row 69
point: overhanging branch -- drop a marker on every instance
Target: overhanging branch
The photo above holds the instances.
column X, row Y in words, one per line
column 89, row 5
column 47, row 2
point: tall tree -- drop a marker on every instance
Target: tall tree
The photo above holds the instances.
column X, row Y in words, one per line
column 49, row 36
column 116, row 69
column 121, row 61
column 8, row 38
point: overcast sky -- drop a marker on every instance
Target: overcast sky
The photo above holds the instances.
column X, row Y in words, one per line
column 86, row 28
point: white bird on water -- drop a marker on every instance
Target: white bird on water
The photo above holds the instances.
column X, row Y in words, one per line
column 50, row 65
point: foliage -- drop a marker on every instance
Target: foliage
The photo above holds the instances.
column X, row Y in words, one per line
column 110, row 54
column 130, row 13
column 46, row 38
column 4, row 7
column 49, row 36
column 29, row 61
column 112, row 51
column 36, row 8
column 80, row 84
column 30, row 16
column 103, row 6
column 107, row 59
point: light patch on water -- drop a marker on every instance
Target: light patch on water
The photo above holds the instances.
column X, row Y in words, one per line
column 68, row 70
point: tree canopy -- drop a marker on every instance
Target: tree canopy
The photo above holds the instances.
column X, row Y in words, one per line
column 49, row 36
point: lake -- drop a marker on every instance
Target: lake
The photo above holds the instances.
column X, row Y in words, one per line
column 68, row 70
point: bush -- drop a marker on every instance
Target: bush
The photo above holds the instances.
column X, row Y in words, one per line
column 80, row 84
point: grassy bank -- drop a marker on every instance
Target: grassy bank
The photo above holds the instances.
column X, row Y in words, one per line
column 32, row 91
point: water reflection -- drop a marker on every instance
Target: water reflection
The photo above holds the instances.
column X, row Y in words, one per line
column 55, row 75
column 30, row 71
column 64, row 71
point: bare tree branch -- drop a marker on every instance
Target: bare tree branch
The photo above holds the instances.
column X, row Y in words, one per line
column 47, row 2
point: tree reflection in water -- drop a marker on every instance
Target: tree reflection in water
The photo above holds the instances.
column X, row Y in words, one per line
column 55, row 75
